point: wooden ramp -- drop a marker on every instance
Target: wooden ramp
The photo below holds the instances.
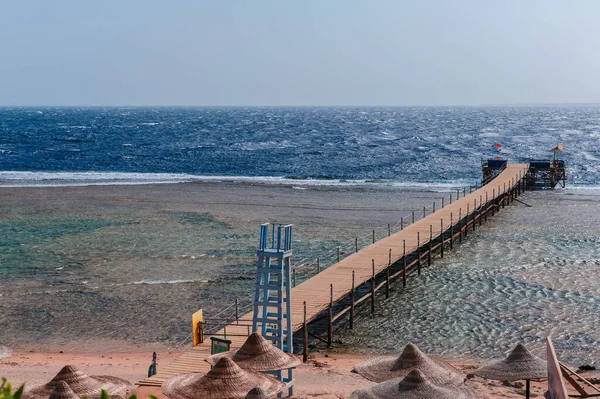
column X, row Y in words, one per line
column 366, row 263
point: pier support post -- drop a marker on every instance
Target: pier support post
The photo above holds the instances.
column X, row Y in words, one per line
column 433, row 208
column 387, row 275
column 493, row 201
column 373, row 236
column 513, row 189
column 389, row 230
column 355, row 244
column 293, row 277
column 451, row 232
column 442, row 202
column 338, row 254
column 474, row 213
column 330, row 317
column 352, row 303
column 237, row 315
column 487, row 207
column 457, row 194
column 318, row 265
column 419, row 253
column 480, row 209
column 430, row 243
column 401, row 223
column 404, row 259
column 424, row 212
column 464, row 192
column 467, row 221
column 521, row 185
column 450, row 198
column 305, row 336
column 460, row 225
column 442, row 237
column 413, row 216
column 373, row 286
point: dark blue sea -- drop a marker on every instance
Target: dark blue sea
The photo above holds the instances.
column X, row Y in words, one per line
column 354, row 145
column 94, row 258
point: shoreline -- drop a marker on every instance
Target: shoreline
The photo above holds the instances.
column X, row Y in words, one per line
column 77, row 257
column 232, row 207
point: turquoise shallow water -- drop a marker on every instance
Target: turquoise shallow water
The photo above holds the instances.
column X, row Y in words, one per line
column 132, row 263
column 116, row 266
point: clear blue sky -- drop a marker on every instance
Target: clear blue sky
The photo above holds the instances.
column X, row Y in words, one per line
column 338, row 52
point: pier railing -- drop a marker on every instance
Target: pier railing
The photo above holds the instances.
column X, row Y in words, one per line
column 333, row 293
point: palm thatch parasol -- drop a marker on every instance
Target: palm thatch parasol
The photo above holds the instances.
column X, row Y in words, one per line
column 519, row 365
column 414, row 386
column 257, row 393
column 258, row 354
column 81, row 384
column 63, row 391
column 385, row 368
column 226, row 380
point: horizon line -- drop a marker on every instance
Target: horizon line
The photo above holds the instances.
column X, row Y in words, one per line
column 300, row 106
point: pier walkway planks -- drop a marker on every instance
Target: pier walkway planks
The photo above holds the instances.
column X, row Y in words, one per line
column 316, row 290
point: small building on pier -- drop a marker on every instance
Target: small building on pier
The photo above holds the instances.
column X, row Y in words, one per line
column 542, row 173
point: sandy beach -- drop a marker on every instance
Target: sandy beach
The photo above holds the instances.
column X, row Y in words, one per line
column 336, row 180
column 323, row 376
column 108, row 274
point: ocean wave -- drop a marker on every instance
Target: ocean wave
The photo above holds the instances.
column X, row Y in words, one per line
column 76, row 179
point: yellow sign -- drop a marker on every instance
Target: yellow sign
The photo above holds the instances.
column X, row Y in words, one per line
column 197, row 327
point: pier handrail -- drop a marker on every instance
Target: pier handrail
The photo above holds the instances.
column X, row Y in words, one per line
column 344, row 278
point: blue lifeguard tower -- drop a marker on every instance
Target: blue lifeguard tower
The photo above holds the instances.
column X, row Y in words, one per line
column 272, row 313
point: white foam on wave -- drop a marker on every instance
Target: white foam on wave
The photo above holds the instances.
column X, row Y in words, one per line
column 155, row 282
column 75, row 179
column 61, row 179
column 580, row 187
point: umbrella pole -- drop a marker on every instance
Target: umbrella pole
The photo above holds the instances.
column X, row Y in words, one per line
column 527, row 388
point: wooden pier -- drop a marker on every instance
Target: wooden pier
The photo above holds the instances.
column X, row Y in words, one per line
column 334, row 292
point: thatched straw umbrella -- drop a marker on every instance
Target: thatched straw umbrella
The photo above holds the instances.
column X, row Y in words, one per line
column 414, row 386
column 80, row 384
column 257, row 393
column 63, row 391
column 258, row 354
column 519, row 365
column 226, row 380
column 385, row 368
